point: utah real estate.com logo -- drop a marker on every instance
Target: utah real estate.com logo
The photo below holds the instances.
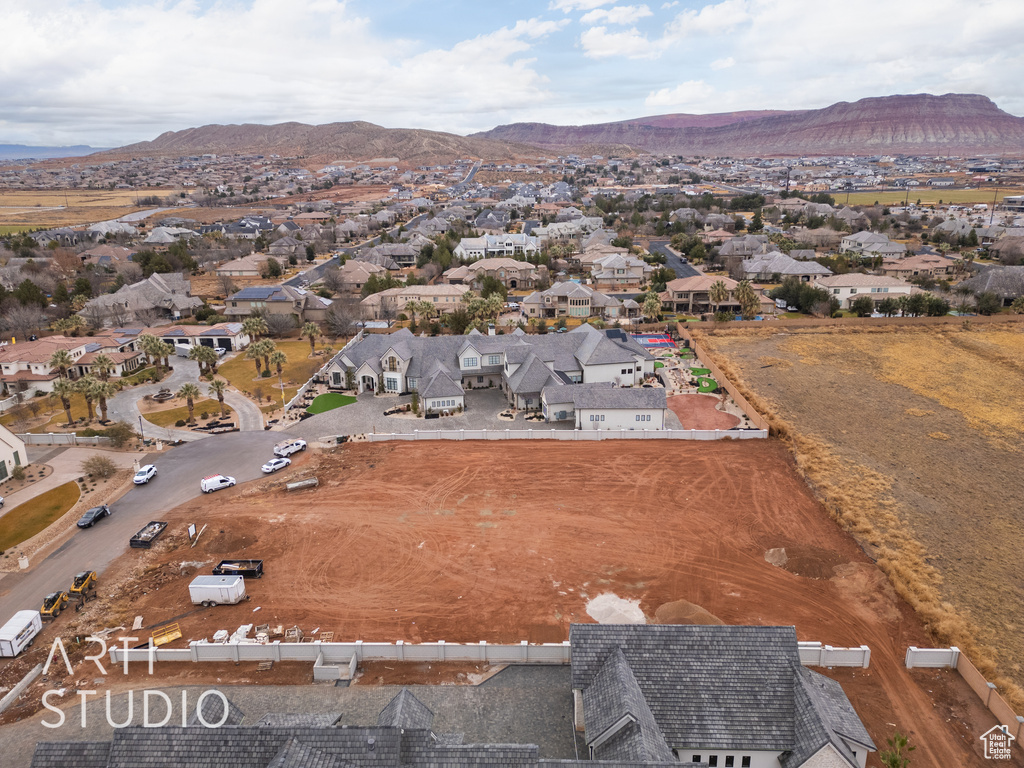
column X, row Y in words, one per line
column 148, row 694
column 997, row 742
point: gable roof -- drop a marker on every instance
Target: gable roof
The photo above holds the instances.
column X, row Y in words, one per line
column 406, row 711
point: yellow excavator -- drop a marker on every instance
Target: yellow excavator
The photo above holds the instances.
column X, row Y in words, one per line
column 53, row 604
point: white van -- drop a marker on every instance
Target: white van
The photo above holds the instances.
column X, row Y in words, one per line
column 18, row 633
column 215, row 483
column 288, row 447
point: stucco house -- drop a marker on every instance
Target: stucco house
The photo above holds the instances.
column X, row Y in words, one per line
column 386, row 304
column 692, row 295
column 571, row 299
column 305, row 305
column 490, row 246
column 601, row 405
column 168, row 294
column 520, row 365
column 511, row 273
column 12, row 452
column 766, row 266
column 871, row 244
column 25, row 367
column 846, row 288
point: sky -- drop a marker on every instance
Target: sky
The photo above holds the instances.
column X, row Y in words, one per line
column 111, row 72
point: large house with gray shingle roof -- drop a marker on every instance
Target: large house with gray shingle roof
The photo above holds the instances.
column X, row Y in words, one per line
column 725, row 696
column 641, row 697
column 441, row 368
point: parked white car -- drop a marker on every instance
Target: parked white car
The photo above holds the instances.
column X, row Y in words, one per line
column 215, row 483
column 275, row 464
column 144, row 475
column 288, row 447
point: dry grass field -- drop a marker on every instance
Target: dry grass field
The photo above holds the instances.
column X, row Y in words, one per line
column 912, row 438
column 58, row 208
column 929, row 196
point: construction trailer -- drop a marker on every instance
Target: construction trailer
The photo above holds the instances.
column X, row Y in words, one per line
column 217, row 590
column 19, row 632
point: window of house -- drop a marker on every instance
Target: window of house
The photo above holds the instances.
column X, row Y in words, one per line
column 745, row 761
column 729, row 761
column 479, row 379
column 469, row 362
column 638, row 417
column 602, row 417
column 494, row 360
column 695, row 759
column 713, row 761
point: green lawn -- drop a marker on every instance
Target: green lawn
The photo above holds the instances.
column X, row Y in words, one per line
column 658, row 365
column 700, row 371
column 26, row 520
column 331, row 400
column 705, row 385
column 241, row 373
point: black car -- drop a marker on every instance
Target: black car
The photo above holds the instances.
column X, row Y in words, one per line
column 89, row 519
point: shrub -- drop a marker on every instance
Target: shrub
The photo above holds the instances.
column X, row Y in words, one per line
column 265, row 374
column 18, row 473
column 179, row 423
column 204, row 415
column 120, row 434
column 99, row 466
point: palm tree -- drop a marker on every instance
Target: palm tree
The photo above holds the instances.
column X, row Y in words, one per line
column 190, row 392
column 312, row 332
column 719, row 292
column 102, row 365
column 64, row 389
column 218, row 387
column 254, row 353
column 278, row 358
column 267, row 347
column 206, row 357
column 652, row 306
column 747, row 297
column 424, row 309
column 61, row 360
column 147, row 343
column 254, row 327
column 85, row 386
column 166, row 350
column 102, row 390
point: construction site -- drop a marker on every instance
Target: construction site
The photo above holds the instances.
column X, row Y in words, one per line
column 509, row 542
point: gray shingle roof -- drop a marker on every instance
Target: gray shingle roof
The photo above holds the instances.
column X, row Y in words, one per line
column 293, row 720
column 80, row 754
column 708, row 687
column 605, row 395
column 406, row 711
column 213, row 713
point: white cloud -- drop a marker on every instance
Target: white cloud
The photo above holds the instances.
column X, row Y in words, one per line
column 576, row 5
column 693, row 95
column 230, row 63
column 725, row 63
column 599, row 43
column 620, row 14
column 711, row 19
column 666, row 6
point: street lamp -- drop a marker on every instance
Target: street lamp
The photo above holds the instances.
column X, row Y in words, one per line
column 142, row 434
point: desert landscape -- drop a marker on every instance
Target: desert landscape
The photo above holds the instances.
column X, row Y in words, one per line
column 913, row 439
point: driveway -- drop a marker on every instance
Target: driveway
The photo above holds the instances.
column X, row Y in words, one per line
column 125, row 405
column 67, row 466
column 672, row 261
column 236, row 454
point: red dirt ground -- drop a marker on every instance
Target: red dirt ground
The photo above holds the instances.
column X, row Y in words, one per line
column 699, row 412
column 469, row 541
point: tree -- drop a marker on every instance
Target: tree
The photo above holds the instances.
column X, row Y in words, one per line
column 218, row 387
column 898, row 754
column 29, row 294
column 86, row 386
column 491, row 285
column 61, row 360
column 341, row 318
column 68, row 325
column 149, row 344
column 166, row 349
column 279, row 325
column 207, row 358
column 99, row 466
column 101, row 391
column 747, row 298
column 65, row 389
column 190, row 392
column 863, row 305
column 987, row 303
column 254, row 353
column 271, row 268
column 757, row 223
column 310, row 253
column 120, row 433
column 278, row 360
column 312, row 332
column 718, row 293
column 888, row 306
column 24, row 320
column 1018, row 306
column 652, row 306
column 102, row 365
column 254, row 327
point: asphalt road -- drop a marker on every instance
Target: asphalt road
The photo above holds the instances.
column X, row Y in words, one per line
column 238, row 454
column 671, row 260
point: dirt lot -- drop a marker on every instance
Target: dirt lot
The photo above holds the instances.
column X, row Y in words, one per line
column 699, row 412
column 933, row 419
column 506, row 542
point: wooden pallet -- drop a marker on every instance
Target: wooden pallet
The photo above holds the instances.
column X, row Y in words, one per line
column 326, row 637
column 264, row 666
column 166, row 634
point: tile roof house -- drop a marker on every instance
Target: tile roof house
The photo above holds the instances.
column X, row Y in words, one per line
column 511, row 273
column 518, row 364
column 571, row 299
column 354, row 274
column 386, row 304
column 716, row 695
column 641, row 697
column 25, row 367
column 747, row 245
column 305, row 305
column 871, row 244
column 692, row 295
column 1006, row 282
column 766, row 266
column 846, row 288
column 934, row 265
column 248, row 266
column 170, row 294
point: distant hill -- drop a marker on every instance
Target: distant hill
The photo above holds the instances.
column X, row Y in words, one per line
column 334, row 141
column 912, row 124
column 23, row 152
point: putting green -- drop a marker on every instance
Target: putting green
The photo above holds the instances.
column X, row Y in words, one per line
column 705, row 385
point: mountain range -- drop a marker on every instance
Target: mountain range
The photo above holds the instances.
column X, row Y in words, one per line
column 912, row 124
column 23, row 152
column 920, row 124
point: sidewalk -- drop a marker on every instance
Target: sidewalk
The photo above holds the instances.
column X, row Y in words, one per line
column 67, row 466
